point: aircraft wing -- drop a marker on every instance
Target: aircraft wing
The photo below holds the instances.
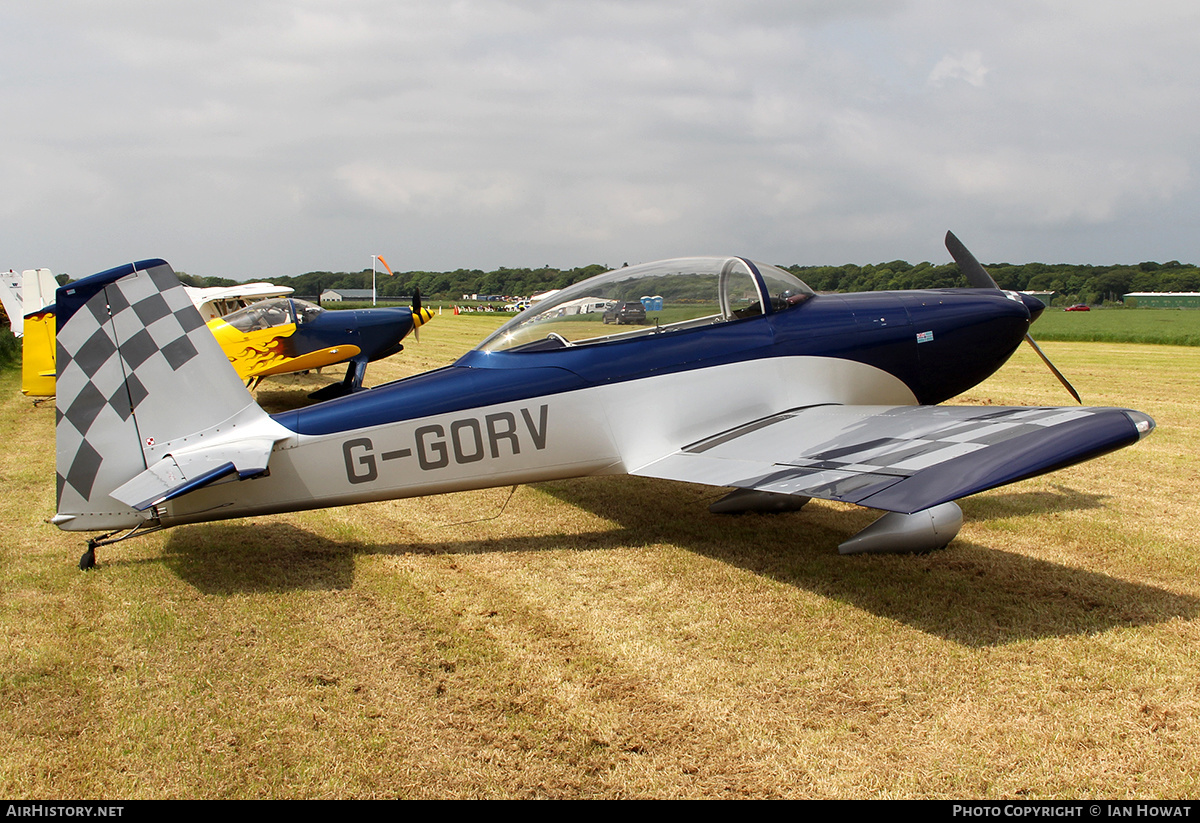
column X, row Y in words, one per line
column 246, row 291
column 218, row 301
column 320, row 358
column 899, row 458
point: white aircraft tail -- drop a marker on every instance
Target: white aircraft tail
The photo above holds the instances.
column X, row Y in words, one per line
column 148, row 405
column 37, row 290
column 23, row 294
column 10, row 298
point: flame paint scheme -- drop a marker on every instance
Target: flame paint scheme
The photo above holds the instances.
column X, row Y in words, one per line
column 746, row 379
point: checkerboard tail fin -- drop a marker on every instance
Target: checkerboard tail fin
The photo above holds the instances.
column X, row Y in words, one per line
column 140, row 377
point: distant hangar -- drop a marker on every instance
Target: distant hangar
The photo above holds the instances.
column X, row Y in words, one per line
column 1162, row 300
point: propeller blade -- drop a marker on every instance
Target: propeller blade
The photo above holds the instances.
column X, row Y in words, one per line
column 417, row 316
column 1057, row 373
column 975, row 273
column 979, row 278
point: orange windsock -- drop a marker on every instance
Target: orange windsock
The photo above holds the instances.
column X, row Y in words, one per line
column 385, row 265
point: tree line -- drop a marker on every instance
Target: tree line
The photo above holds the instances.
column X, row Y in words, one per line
column 450, row 285
column 1071, row 283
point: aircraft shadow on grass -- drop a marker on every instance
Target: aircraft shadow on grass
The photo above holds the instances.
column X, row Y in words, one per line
column 1032, row 503
column 239, row 558
column 969, row 594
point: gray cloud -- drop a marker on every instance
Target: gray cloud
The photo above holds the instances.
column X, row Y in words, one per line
column 257, row 138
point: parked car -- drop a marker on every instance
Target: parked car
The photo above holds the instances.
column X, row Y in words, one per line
column 1079, row 307
column 625, row 312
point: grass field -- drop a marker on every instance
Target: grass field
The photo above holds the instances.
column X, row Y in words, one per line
column 608, row 637
column 1176, row 327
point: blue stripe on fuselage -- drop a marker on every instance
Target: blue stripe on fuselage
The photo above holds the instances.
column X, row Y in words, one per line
column 973, row 332
column 443, row 390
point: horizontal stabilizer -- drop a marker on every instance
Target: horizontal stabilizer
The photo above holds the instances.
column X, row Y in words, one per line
column 166, row 470
column 179, row 473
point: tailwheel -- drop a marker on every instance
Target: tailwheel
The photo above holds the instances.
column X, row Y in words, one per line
column 88, row 559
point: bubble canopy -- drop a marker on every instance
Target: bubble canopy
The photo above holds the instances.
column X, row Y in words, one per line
column 652, row 298
column 267, row 314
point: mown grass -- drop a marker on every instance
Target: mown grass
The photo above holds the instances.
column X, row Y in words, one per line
column 608, row 637
column 1174, row 327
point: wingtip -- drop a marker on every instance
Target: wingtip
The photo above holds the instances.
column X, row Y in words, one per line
column 1144, row 423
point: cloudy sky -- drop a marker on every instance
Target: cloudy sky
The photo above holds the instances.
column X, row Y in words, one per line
column 251, row 138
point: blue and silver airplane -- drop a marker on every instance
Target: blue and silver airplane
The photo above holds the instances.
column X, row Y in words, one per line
column 744, row 378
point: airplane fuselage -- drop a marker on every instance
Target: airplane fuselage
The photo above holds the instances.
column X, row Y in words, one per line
column 498, row 418
column 735, row 375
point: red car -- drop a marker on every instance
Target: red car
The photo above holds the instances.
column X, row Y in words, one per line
column 1079, row 307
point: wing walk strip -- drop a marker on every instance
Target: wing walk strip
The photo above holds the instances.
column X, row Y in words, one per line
column 702, row 446
column 856, row 453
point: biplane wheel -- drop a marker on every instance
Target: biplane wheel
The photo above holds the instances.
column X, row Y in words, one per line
column 88, row 560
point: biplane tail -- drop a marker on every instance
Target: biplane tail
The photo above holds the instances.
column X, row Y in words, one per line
column 148, row 406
